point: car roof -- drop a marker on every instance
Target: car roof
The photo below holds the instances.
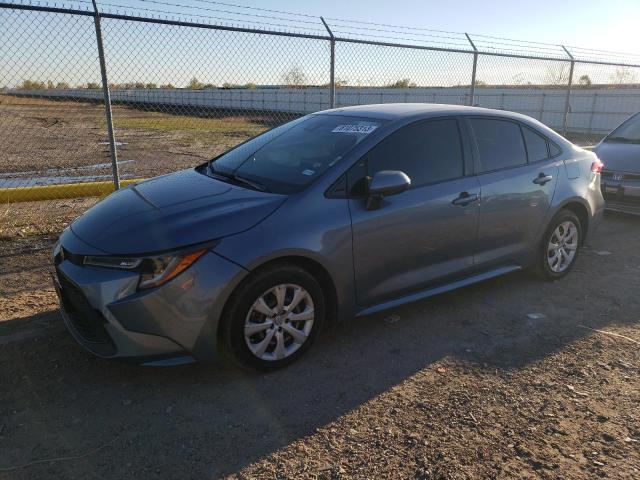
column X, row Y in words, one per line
column 396, row 111
column 416, row 111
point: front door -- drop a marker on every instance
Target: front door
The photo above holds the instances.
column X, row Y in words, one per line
column 424, row 235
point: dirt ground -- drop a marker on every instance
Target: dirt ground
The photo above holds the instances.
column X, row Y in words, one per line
column 463, row 385
column 40, row 135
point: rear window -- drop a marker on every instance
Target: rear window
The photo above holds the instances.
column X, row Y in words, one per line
column 500, row 144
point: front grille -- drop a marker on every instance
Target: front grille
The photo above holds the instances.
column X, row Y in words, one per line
column 87, row 322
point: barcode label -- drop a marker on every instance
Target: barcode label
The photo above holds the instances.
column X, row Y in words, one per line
column 364, row 129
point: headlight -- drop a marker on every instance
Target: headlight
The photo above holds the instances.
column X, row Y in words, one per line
column 158, row 270
column 154, row 271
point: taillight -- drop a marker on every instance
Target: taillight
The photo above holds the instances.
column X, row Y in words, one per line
column 597, row 166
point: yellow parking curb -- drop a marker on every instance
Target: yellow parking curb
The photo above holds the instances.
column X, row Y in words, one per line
column 65, row 190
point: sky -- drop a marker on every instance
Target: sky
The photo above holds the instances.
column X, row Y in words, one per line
column 61, row 48
column 598, row 24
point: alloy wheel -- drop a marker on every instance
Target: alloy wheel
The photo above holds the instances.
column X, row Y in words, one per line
column 279, row 322
column 562, row 246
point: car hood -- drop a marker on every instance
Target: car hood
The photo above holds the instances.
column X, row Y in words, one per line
column 172, row 211
column 623, row 157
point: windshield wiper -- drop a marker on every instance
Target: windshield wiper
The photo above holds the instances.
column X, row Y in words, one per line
column 252, row 183
column 237, row 179
column 623, row 140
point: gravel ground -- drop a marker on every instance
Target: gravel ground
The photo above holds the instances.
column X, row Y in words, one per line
column 463, row 385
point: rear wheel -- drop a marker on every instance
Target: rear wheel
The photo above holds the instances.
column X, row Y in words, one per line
column 273, row 318
column 560, row 246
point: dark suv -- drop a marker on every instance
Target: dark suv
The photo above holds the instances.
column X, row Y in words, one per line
column 336, row 214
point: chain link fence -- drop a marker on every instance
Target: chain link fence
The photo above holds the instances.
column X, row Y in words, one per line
column 183, row 90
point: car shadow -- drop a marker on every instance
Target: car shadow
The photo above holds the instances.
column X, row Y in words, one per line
column 210, row 420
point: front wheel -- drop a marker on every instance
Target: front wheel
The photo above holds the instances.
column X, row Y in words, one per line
column 273, row 318
column 559, row 246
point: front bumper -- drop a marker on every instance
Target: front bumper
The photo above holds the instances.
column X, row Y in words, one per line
column 107, row 315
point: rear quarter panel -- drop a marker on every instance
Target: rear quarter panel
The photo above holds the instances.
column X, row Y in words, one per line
column 577, row 184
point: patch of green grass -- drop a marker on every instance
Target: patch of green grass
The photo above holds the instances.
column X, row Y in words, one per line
column 192, row 127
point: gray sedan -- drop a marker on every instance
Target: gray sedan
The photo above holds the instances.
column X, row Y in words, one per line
column 620, row 152
column 337, row 214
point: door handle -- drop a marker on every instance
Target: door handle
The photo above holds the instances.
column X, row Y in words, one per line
column 542, row 179
column 465, row 198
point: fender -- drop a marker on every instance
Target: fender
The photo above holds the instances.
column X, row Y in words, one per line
column 341, row 276
column 555, row 208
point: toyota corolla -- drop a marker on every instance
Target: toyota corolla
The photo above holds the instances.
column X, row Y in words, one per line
column 337, row 214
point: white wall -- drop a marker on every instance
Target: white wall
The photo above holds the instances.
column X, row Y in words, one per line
column 592, row 110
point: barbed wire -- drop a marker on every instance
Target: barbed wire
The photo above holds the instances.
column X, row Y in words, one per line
column 214, row 12
column 256, row 8
column 238, row 21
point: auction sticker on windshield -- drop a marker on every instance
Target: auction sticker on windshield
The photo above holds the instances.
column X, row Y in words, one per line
column 364, row 129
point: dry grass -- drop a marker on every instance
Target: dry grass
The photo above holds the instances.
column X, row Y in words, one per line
column 40, row 219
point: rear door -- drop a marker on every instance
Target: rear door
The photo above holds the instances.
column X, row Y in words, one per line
column 517, row 179
column 418, row 237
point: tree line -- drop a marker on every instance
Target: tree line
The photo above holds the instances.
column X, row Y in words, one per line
column 557, row 75
column 194, row 84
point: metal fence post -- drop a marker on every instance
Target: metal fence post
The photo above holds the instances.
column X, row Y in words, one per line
column 593, row 112
column 473, row 71
column 332, row 67
column 544, row 95
column 567, row 104
column 107, row 99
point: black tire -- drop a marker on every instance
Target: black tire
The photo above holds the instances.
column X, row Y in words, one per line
column 232, row 335
column 542, row 267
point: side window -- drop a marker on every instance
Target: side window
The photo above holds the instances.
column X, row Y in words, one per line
column 357, row 180
column 428, row 152
column 536, row 145
column 554, row 149
column 499, row 142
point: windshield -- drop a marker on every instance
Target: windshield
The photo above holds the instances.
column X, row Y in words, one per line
column 628, row 132
column 288, row 158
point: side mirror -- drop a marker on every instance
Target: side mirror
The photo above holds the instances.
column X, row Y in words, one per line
column 385, row 183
